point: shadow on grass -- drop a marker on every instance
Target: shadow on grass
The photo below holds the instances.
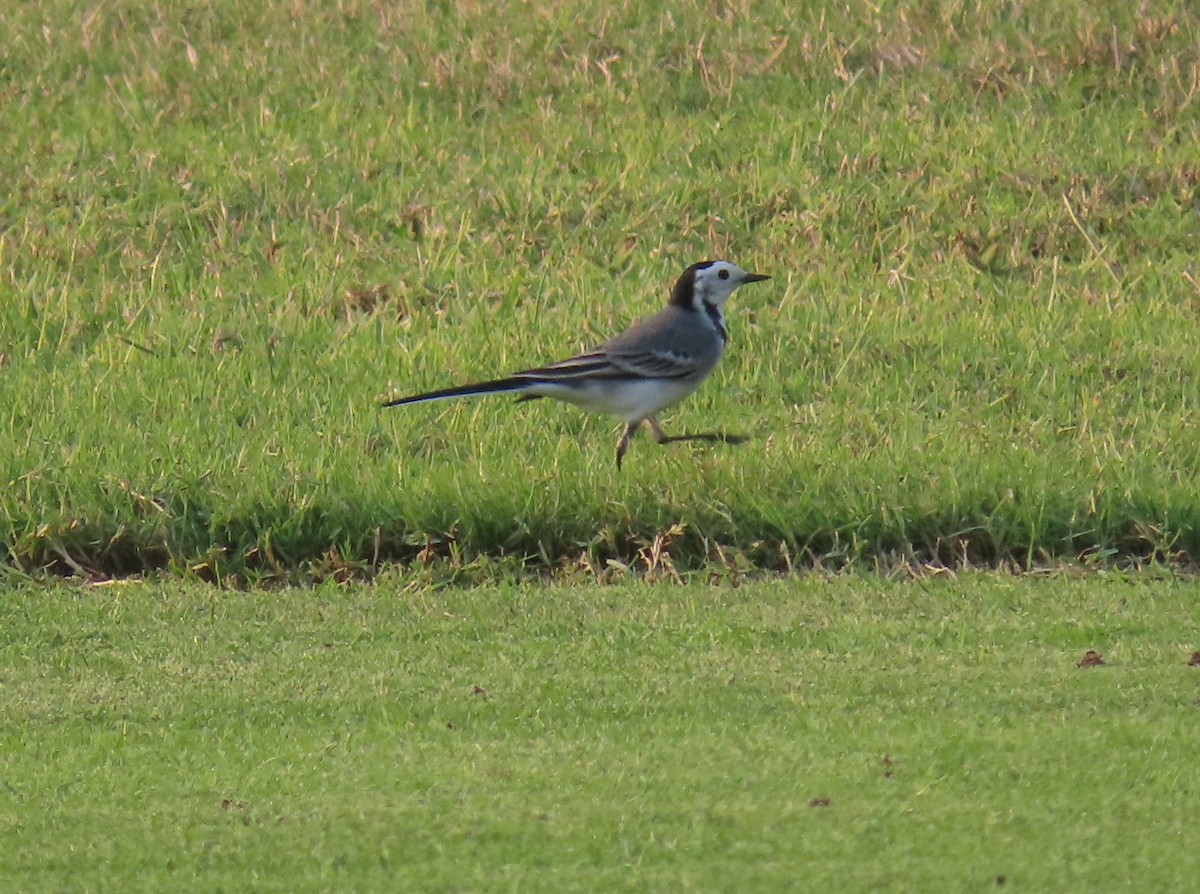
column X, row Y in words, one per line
column 711, row 437
column 343, row 538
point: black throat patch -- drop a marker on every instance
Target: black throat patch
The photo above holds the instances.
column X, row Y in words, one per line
column 714, row 314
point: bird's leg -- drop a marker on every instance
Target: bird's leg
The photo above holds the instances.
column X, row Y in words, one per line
column 660, row 437
column 623, row 441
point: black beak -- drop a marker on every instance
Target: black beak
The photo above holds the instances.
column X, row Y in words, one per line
column 755, row 277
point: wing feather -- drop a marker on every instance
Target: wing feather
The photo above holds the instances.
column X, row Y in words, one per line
column 646, row 364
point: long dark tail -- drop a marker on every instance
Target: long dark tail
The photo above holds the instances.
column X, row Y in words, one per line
column 495, row 387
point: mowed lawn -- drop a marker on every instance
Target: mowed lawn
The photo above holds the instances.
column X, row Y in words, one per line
column 229, row 231
column 818, row 733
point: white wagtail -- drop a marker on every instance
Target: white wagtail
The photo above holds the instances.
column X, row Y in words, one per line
column 654, row 363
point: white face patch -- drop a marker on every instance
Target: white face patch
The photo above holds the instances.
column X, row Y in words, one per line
column 715, row 283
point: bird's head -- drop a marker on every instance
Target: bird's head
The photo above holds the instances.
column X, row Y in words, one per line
column 709, row 284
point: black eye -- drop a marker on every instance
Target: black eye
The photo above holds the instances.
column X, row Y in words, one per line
column 724, row 274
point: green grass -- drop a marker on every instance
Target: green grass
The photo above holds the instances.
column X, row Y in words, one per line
column 636, row 737
column 227, row 233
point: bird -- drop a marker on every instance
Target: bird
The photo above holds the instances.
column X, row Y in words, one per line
column 653, row 364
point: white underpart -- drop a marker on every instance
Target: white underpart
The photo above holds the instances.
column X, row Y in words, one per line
column 629, row 401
